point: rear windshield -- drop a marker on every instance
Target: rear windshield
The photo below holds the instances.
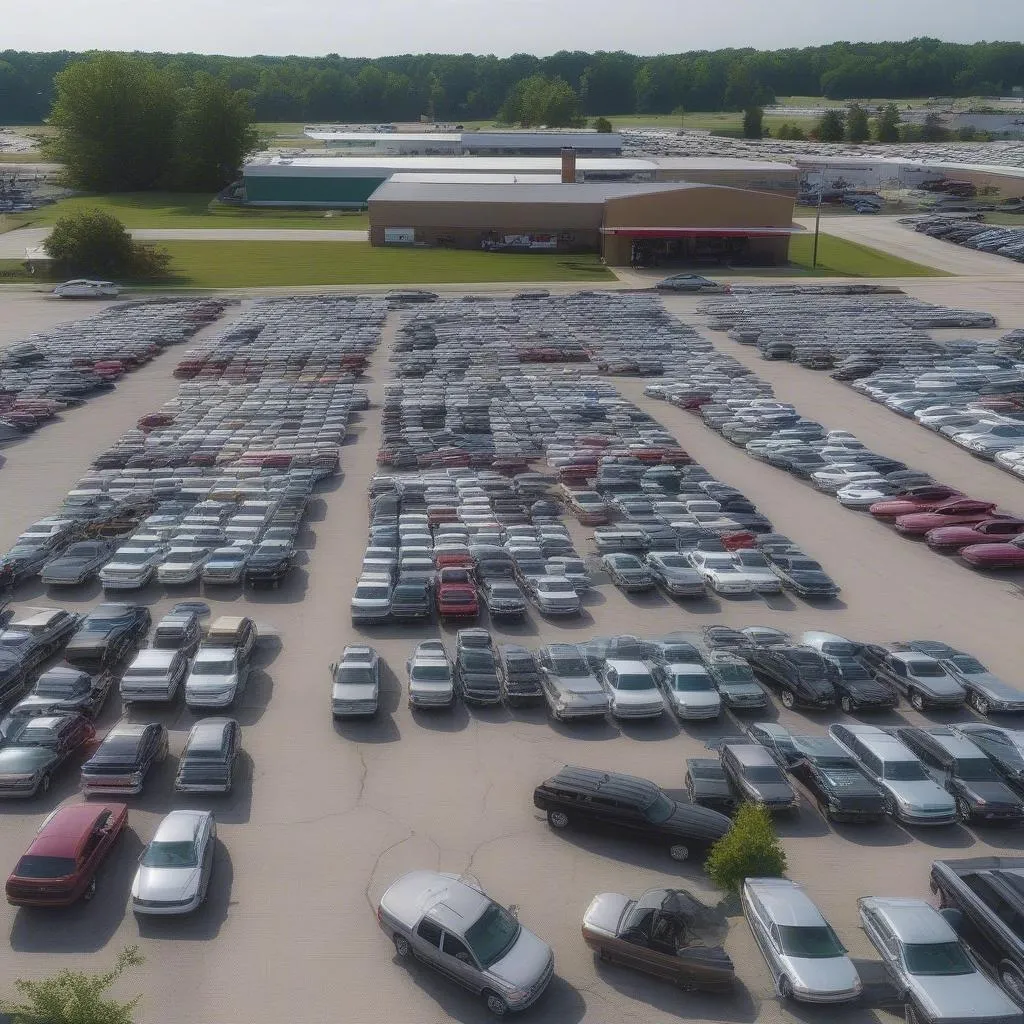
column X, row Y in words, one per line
column 634, row 681
column 44, row 867
column 925, row 669
column 930, row 959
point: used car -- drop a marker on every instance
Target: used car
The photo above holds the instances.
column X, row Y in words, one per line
column 707, row 784
column 674, row 574
column 1004, row 746
column 217, row 678
column 570, row 687
column 476, row 668
column 65, row 688
column 856, row 688
column 76, row 564
column 689, row 690
column 755, row 774
column 131, row 567
column 798, row 673
column 519, row 676
column 664, row 932
column 181, row 628
column 918, row 677
column 803, row 575
column 986, row 692
column 154, row 675
column 431, row 678
column 631, row 807
column 454, row 928
column 554, row 595
column 34, row 748
column 735, row 681
column 108, row 633
column 124, row 758
column 207, row 763
column 833, row 778
column 59, row 867
column 628, row 572
column 176, row 866
column 355, row 683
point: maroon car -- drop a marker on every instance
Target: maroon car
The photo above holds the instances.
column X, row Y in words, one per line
column 955, row 512
column 1007, row 555
column 60, row 866
column 917, row 499
column 952, row 538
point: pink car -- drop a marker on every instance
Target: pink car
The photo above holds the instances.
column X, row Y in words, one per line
column 1007, row 555
column 953, row 538
column 917, row 499
column 956, row 512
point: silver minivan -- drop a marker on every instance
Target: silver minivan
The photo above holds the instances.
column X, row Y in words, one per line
column 459, row 931
column 807, row 961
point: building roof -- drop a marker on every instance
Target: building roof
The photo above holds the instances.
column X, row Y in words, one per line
column 588, row 193
column 425, row 178
column 278, row 164
column 721, row 163
column 326, row 135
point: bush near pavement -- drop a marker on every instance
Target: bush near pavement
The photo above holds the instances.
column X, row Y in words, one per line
column 750, row 849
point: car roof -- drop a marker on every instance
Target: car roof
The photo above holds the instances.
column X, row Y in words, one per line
column 62, row 833
column 227, row 624
column 750, row 754
column 614, row 784
column 442, row 897
column 39, row 618
column 153, row 657
column 132, row 730
column 786, row 902
column 946, row 739
column 180, row 826
column 914, row 920
column 208, row 734
column 631, row 666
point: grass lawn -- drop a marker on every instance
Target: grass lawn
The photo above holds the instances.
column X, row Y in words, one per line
column 839, row 258
column 188, row 210
column 293, row 264
column 1015, row 220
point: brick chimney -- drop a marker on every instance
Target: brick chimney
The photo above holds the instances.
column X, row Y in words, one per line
column 568, row 165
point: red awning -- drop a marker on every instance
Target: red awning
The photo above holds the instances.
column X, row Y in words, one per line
column 702, row 232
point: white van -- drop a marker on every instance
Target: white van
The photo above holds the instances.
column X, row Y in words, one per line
column 81, row 288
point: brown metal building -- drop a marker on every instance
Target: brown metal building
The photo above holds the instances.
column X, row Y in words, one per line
column 651, row 222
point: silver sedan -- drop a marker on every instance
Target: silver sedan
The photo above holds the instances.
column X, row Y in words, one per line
column 175, row 868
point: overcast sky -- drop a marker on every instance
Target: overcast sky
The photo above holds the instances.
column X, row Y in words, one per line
column 376, row 27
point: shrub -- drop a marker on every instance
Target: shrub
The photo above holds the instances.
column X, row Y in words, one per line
column 750, row 849
column 603, row 125
column 95, row 242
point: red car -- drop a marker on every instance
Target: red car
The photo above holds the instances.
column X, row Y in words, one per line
column 457, row 601
column 1008, row 555
column 917, row 499
column 60, row 866
column 739, row 540
column 952, row 538
column 955, row 512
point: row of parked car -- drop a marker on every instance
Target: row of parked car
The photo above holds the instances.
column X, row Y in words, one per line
column 998, row 239
column 49, row 713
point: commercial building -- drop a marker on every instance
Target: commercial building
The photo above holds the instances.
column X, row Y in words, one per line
column 349, row 181
column 483, row 143
column 627, row 222
column 879, row 172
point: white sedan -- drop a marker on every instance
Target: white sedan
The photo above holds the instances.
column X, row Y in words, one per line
column 721, row 573
column 1013, row 461
column 864, row 495
column 175, row 868
column 992, row 439
column 82, row 288
column 831, row 478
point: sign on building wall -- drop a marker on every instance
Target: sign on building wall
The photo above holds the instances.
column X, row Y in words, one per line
column 399, row 236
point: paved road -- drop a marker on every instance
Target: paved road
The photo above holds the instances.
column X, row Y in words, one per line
column 325, row 816
column 887, row 234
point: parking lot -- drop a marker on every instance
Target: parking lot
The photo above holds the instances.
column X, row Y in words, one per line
column 324, row 816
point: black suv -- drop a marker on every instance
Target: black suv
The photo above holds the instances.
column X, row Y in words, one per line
column 628, row 806
column 799, row 674
column 108, row 633
column 968, row 775
column 989, row 892
column 840, row 789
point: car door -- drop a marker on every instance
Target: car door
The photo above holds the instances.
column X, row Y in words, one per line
column 895, row 672
column 205, row 842
column 426, row 943
column 760, row 926
column 148, row 749
column 888, row 948
column 100, row 838
column 632, row 947
column 459, row 963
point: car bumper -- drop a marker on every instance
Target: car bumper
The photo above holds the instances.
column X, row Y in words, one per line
column 574, row 714
column 910, row 818
column 843, row 996
column 41, row 898
column 135, row 583
column 220, row 700
column 354, row 708
column 115, row 787
column 698, row 714
column 428, row 702
column 559, row 610
column 370, row 617
column 652, row 712
column 527, row 1000
column 201, row 787
column 167, row 909
column 685, row 589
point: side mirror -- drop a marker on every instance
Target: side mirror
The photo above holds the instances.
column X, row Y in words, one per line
column 333, row 667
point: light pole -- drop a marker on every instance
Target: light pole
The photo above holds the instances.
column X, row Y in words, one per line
column 817, row 217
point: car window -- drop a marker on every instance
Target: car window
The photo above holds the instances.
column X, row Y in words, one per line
column 810, row 941
column 429, row 932
column 1003, row 910
column 931, row 959
column 872, row 762
column 455, row 947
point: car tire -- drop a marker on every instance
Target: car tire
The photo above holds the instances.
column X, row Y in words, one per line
column 402, row 947
column 980, row 705
column 916, row 700
column 90, row 890
column 788, row 700
column 823, row 810
column 1012, row 982
column 963, row 810
column 910, row 1014
column 497, row 1006
column 44, row 784
column 846, row 704
column 558, row 819
column 678, row 852
column 785, row 988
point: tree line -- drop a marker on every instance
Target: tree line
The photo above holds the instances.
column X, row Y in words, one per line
column 461, row 87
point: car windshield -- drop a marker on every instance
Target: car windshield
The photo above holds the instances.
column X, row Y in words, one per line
column 355, row 674
column 849, row 669
column 44, row 867
column 60, row 687
column 492, row 935
column 764, row 773
column 409, row 594
column 932, row 959
column 904, row 771
column 968, row 665
column 211, row 668
column 634, row 681
column 372, row 593
column 674, row 562
column 104, row 621
column 659, row 810
column 976, row 769
column 752, row 559
column 183, row 556
column 555, row 588
column 839, row 649
column 436, row 673
column 804, row 565
column 170, row 855
column 811, row 941
column 695, row 683
column 133, row 557
column 734, row 673
column 477, row 661
column 925, row 669
column 570, row 665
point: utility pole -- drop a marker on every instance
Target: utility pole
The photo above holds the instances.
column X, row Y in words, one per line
column 817, row 217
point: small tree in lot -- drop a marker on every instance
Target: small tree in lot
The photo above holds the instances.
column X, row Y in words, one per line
column 832, row 126
column 95, row 242
column 857, row 128
column 753, row 123
column 750, row 849
column 603, row 125
column 73, row 997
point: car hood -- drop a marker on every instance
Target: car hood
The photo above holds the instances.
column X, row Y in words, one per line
column 25, row 760
column 697, row 698
column 941, row 686
column 165, row 884
column 637, row 698
column 605, row 912
column 994, row 792
column 823, row 974
column 922, row 794
column 933, row 520
column 68, row 566
column 211, row 682
column 963, row 997
column 997, row 550
column 525, row 963
column 903, row 507
column 994, row 685
column 950, row 534
column 773, row 792
column 87, row 637
column 353, row 691
column 431, row 685
column 692, row 821
column 33, row 704
column 866, row 689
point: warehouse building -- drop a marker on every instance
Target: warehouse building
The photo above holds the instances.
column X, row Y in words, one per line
column 349, row 181
column 485, row 143
column 645, row 223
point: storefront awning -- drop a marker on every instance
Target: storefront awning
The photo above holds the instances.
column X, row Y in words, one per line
column 677, row 232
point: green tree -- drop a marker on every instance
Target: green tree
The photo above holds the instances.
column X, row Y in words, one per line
column 114, row 117
column 539, row 100
column 857, row 128
column 831, row 127
column 213, row 134
column 887, row 124
column 603, row 125
column 73, row 997
column 785, row 131
column 753, row 123
column 934, row 129
column 95, row 242
column 750, row 849
column 680, row 112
